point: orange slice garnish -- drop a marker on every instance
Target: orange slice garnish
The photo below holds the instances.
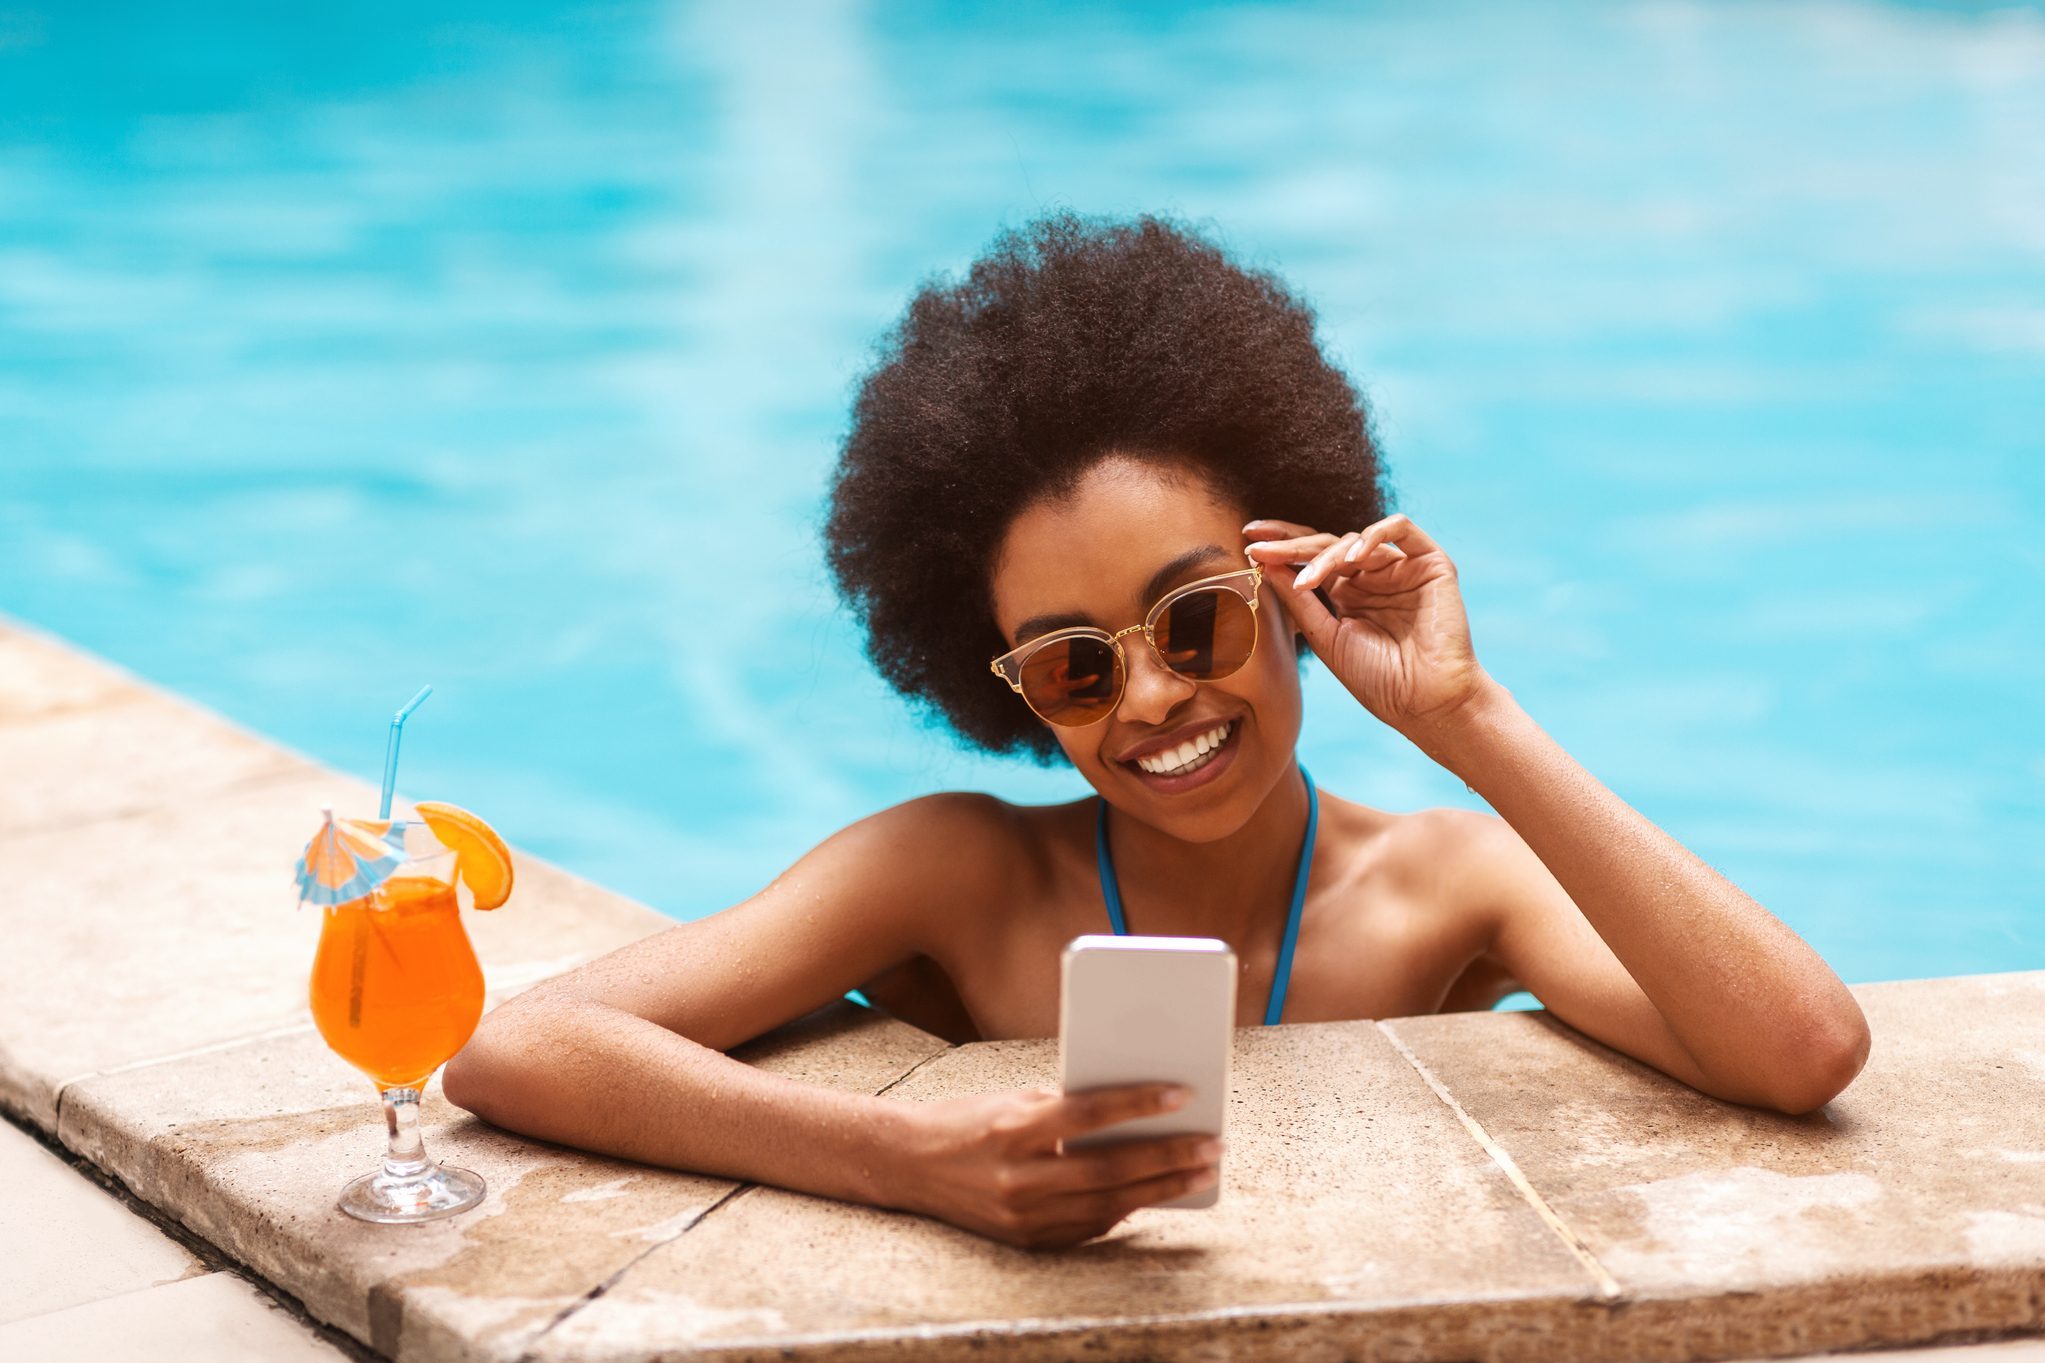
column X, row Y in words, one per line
column 484, row 861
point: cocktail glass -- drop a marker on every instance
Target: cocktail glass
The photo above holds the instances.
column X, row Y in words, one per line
column 396, row 991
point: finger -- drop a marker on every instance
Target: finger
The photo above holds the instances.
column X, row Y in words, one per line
column 1079, row 1113
column 1111, row 1166
column 1399, row 530
column 1371, row 557
column 1267, row 529
column 1295, row 550
column 1310, row 615
column 1107, row 1206
column 1325, row 562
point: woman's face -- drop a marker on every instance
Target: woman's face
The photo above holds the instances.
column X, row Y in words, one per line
column 1127, row 534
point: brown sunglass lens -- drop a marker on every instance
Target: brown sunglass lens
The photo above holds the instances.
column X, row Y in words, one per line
column 1072, row 681
column 1207, row 634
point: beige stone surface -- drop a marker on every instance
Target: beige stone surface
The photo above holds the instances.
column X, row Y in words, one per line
column 66, row 1241
column 146, row 846
column 87, row 766
column 216, row 1318
column 249, row 1145
column 82, row 741
column 177, row 928
column 153, row 992
column 1911, row 1207
column 1354, row 1209
column 42, row 677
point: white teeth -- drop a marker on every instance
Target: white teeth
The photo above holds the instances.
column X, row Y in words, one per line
column 1193, row 754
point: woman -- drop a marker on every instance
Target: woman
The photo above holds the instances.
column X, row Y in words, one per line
column 1115, row 470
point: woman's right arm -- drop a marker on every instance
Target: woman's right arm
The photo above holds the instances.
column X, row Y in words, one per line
column 625, row 1055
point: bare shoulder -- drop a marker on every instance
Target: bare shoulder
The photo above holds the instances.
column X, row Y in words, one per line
column 901, row 874
column 929, row 854
column 1420, row 851
column 968, row 827
column 1458, row 856
column 1429, row 869
column 876, row 893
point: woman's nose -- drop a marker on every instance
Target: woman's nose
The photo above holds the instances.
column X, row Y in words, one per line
column 1153, row 690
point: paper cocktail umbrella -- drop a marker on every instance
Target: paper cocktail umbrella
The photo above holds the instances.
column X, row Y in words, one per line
column 349, row 858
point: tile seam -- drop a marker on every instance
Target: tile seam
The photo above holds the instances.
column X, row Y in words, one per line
column 211, row 1258
column 117, row 1295
column 611, row 1279
column 1608, row 1286
column 903, row 1077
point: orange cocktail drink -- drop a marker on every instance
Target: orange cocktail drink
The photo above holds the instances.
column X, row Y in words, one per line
column 396, row 990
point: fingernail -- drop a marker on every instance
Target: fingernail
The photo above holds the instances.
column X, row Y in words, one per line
column 1355, row 552
column 1208, row 1150
column 1206, row 1178
column 1178, row 1096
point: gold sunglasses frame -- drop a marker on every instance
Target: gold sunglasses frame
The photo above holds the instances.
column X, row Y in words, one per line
column 1016, row 657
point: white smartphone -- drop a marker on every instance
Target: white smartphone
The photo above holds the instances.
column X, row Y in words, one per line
column 1138, row 1010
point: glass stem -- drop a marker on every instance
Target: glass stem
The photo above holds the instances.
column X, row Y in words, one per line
column 407, row 1158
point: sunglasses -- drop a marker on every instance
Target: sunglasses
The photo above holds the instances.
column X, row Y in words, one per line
column 1204, row 630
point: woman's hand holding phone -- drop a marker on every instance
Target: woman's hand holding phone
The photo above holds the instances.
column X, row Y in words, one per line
column 991, row 1163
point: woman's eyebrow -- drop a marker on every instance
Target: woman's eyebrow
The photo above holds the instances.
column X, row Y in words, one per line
column 1171, row 572
column 1159, row 581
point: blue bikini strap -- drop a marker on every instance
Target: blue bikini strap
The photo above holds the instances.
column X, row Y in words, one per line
column 1274, row 1009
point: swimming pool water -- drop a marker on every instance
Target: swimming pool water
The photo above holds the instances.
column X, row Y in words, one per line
column 506, row 348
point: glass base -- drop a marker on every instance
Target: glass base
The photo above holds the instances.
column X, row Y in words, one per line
column 441, row 1190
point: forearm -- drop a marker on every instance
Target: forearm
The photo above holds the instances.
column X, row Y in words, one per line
column 598, row 1078
column 1742, row 993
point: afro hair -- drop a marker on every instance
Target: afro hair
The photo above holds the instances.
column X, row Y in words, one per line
column 1070, row 339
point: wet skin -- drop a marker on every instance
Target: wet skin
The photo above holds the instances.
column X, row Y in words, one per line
column 1405, row 912
column 1381, row 934
column 951, row 910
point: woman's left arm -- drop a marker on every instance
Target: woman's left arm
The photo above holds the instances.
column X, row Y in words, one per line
column 1619, row 929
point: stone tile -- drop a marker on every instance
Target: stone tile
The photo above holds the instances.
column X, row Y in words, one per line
column 1910, row 1208
column 249, row 1146
column 177, row 929
column 86, row 1245
column 218, row 1317
column 41, row 677
column 89, row 766
column 83, row 741
column 1356, row 1216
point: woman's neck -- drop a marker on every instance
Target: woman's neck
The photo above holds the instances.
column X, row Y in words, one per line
column 1236, row 888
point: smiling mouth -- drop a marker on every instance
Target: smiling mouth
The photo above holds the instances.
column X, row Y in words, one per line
column 1190, row 756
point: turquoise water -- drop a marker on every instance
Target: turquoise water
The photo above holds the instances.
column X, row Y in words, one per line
column 506, row 348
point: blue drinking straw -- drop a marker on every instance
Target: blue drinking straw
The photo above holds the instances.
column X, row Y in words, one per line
column 390, row 753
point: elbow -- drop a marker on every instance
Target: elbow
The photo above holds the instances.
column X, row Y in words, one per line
column 465, row 1080
column 1828, row 1059
column 478, row 1077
